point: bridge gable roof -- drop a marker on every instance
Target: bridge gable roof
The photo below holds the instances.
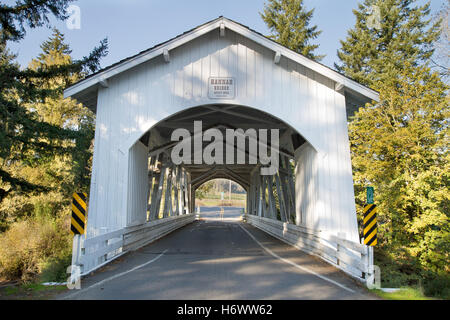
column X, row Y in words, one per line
column 86, row 90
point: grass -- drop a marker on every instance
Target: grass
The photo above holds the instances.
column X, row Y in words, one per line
column 399, row 270
column 30, row 291
column 234, row 196
column 402, row 294
column 218, row 203
column 214, row 200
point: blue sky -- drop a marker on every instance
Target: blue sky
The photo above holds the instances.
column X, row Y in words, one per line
column 135, row 25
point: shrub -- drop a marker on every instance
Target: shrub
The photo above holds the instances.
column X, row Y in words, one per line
column 27, row 247
column 437, row 285
column 55, row 269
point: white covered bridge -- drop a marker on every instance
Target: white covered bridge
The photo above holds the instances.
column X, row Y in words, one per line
column 198, row 87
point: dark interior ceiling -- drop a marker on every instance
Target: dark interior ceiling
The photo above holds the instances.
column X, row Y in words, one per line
column 221, row 117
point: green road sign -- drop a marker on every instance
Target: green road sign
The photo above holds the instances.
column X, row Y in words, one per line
column 369, row 195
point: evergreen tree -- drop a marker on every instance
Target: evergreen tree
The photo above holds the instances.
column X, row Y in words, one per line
column 387, row 34
column 66, row 113
column 34, row 226
column 400, row 144
column 289, row 22
column 441, row 58
column 26, row 137
column 57, row 173
column 29, row 13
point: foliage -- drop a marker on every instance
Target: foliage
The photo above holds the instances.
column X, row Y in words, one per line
column 26, row 247
column 45, row 145
column 373, row 53
column 289, row 22
column 44, row 215
column 400, row 144
column 437, row 285
column 31, row 291
column 406, row 158
column 213, row 188
column 204, row 189
column 398, row 270
column 441, row 57
column 55, row 268
column 26, row 138
column 29, row 13
column 402, row 294
column 59, row 174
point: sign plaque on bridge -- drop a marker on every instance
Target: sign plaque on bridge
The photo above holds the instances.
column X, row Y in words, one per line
column 221, row 88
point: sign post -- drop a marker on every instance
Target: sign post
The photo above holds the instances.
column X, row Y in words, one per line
column 370, row 237
column 370, row 220
column 77, row 228
column 78, row 213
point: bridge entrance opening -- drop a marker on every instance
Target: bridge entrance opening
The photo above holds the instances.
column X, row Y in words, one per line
column 220, row 199
column 186, row 151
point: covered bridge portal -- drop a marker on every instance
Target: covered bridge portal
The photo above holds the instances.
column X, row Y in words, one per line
column 221, row 77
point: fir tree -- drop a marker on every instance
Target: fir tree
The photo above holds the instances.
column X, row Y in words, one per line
column 25, row 137
column 58, row 173
column 441, row 58
column 387, row 34
column 66, row 113
column 29, row 13
column 289, row 22
column 399, row 145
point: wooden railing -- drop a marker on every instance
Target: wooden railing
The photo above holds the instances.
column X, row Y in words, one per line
column 351, row 257
column 93, row 253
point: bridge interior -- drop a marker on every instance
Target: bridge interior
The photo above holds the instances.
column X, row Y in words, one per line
column 215, row 258
column 172, row 185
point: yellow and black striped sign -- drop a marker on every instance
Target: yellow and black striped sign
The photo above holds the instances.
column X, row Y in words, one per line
column 78, row 213
column 370, row 225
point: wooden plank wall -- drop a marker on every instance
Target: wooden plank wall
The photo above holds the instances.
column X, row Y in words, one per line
column 138, row 99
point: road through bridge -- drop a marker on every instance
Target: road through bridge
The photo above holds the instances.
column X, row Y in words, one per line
column 219, row 258
column 222, row 101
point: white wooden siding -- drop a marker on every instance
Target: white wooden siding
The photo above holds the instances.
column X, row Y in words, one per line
column 137, row 185
column 139, row 98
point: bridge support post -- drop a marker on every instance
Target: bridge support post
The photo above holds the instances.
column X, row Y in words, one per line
column 76, row 250
column 76, row 267
column 370, row 277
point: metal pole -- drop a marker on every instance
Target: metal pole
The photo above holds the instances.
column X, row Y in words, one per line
column 230, row 193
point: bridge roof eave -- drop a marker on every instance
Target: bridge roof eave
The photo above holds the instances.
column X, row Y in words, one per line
column 86, row 90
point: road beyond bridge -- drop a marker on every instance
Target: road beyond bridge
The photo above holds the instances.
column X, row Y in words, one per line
column 213, row 258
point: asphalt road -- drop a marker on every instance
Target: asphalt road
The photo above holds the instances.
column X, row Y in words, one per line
column 218, row 259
